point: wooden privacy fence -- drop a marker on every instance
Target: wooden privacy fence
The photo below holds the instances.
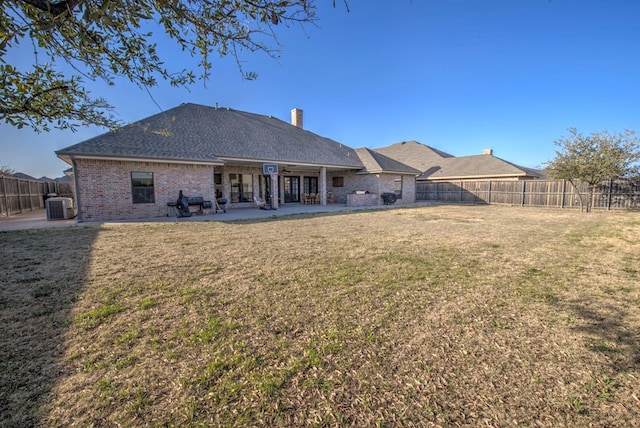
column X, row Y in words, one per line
column 18, row 195
column 538, row 193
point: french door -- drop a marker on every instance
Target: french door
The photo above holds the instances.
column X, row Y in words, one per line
column 291, row 188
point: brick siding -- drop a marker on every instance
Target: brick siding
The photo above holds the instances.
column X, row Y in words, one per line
column 373, row 183
column 105, row 187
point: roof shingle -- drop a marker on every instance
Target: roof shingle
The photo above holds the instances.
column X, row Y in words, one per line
column 192, row 132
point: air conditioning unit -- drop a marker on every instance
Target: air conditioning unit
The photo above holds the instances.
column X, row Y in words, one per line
column 60, row 208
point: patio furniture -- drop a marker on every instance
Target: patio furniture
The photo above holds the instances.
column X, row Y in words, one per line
column 329, row 198
column 307, row 198
column 259, row 202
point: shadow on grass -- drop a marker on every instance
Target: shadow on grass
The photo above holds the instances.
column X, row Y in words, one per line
column 608, row 330
column 42, row 274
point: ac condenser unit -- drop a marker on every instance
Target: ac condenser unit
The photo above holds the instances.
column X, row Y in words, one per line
column 60, row 208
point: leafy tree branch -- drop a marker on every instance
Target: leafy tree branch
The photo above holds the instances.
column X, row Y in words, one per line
column 107, row 39
column 594, row 159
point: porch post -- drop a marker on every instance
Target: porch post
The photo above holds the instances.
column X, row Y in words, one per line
column 323, row 185
column 274, row 190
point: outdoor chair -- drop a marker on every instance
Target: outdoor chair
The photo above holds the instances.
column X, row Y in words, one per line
column 259, row 202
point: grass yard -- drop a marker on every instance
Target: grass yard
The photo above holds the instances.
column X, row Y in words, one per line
column 431, row 316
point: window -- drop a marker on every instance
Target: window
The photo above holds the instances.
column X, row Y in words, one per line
column 142, row 188
column 398, row 187
column 338, row 181
column 241, row 187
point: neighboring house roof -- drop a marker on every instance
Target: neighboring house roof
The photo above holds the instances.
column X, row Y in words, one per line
column 477, row 166
column 23, row 176
column 378, row 163
column 197, row 133
column 414, row 154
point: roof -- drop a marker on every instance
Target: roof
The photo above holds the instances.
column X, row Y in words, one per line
column 477, row 166
column 23, row 176
column 197, row 133
column 378, row 163
column 414, row 154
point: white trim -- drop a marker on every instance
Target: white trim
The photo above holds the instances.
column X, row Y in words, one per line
column 152, row 160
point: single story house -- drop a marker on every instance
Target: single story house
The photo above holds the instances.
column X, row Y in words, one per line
column 135, row 171
column 436, row 165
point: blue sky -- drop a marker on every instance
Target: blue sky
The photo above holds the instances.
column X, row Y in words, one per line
column 458, row 75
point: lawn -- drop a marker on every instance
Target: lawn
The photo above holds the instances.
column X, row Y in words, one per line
column 430, row 316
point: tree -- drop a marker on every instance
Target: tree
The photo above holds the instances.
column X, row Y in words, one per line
column 6, row 171
column 594, row 159
column 104, row 39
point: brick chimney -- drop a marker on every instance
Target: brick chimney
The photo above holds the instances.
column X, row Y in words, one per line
column 296, row 117
column 487, row 152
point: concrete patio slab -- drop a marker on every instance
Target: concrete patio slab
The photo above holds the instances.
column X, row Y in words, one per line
column 38, row 219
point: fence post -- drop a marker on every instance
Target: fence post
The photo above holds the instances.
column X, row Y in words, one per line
column 489, row 195
column 460, row 194
column 524, row 185
column 19, row 197
column 4, row 195
column 609, row 194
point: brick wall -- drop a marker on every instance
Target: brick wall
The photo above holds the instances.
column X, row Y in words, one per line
column 373, row 183
column 105, row 187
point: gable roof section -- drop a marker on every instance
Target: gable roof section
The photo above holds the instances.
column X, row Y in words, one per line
column 477, row 166
column 197, row 133
column 378, row 163
column 414, row 154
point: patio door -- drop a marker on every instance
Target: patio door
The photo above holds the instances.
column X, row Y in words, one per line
column 291, row 189
column 311, row 185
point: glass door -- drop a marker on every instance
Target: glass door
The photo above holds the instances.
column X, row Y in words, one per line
column 311, row 185
column 291, row 189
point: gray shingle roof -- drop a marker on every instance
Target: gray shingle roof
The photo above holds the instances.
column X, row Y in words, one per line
column 477, row 166
column 376, row 163
column 192, row 132
column 414, row 154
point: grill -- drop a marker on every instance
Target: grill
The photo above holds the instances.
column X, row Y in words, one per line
column 389, row 198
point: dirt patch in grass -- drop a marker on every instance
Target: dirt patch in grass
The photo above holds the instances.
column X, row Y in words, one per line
column 433, row 316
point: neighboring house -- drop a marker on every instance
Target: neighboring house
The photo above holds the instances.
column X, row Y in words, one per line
column 23, row 176
column 414, row 154
column 215, row 152
column 436, row 165
column 478, row 167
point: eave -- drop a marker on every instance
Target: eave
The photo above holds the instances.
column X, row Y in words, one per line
column 68, row 158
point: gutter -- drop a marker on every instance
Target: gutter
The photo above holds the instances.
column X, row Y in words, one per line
column 76, row 188
column 66, row 157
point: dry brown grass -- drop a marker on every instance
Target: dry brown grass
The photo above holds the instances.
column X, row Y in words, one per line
column 434, row 316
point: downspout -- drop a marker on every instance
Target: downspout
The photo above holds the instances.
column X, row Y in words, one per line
column 76, row 189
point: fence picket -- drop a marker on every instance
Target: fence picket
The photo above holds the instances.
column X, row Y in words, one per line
column 20, row 195
column 620, row 194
